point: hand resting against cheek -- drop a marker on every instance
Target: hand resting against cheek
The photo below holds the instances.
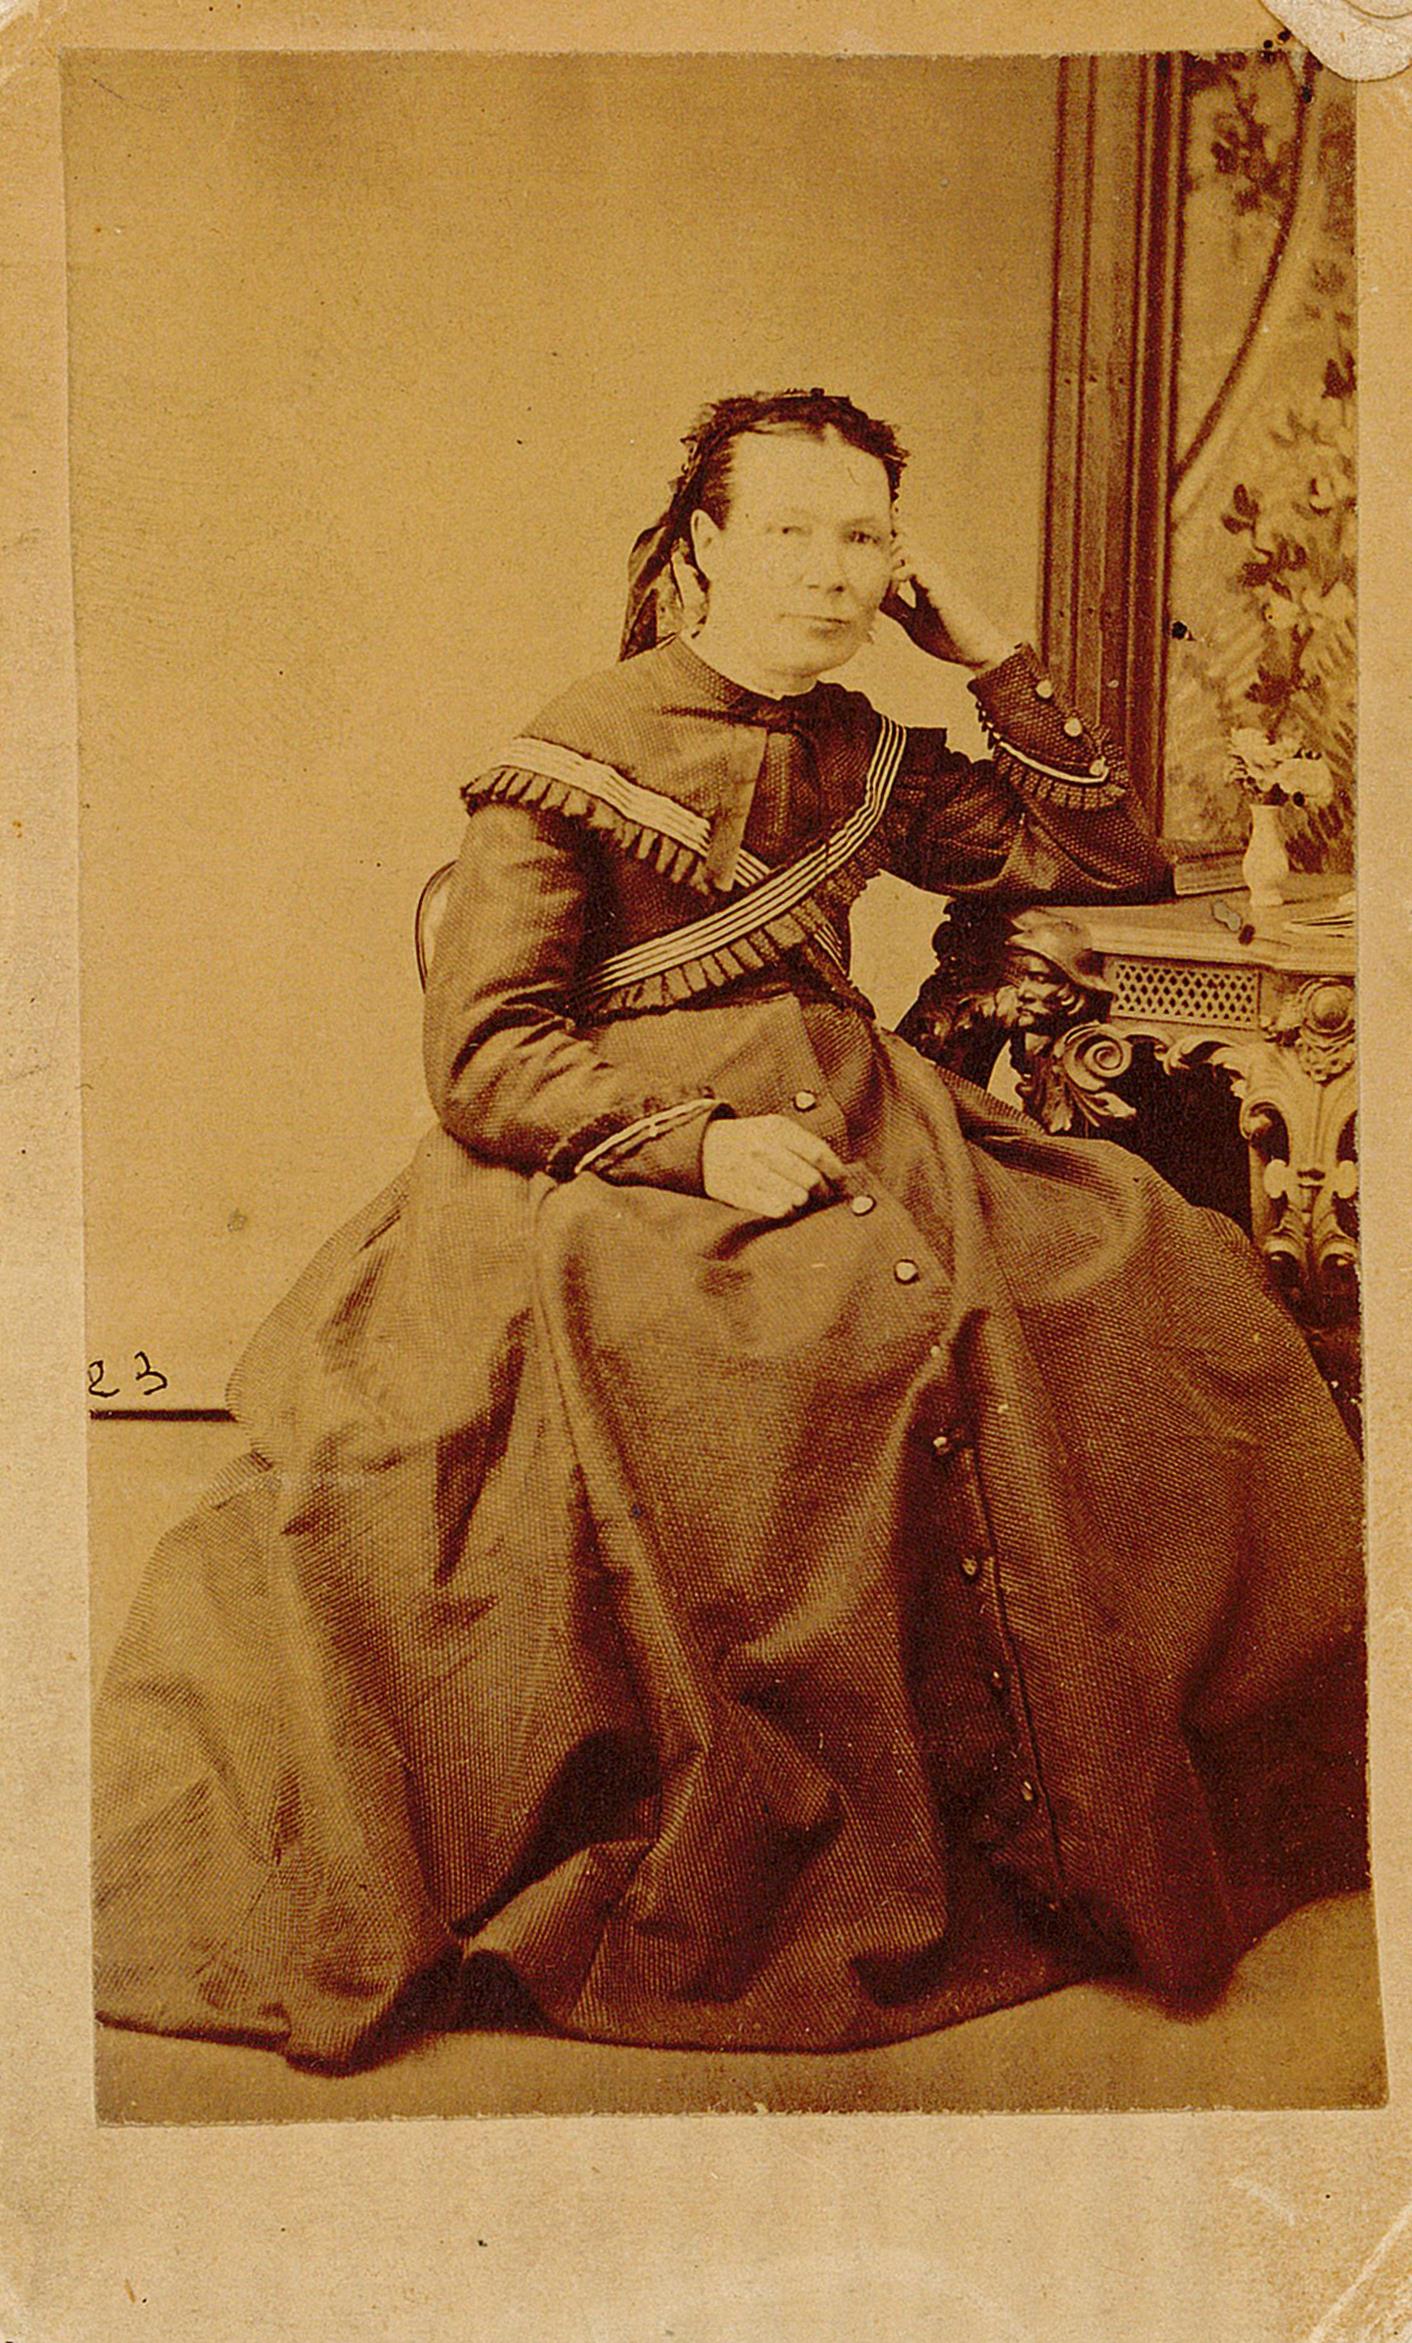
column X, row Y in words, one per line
column 765, row 1164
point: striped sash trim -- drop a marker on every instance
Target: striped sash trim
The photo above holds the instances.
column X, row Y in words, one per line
column 767, row 898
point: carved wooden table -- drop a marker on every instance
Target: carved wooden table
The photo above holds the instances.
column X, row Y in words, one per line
column 1277, row 1016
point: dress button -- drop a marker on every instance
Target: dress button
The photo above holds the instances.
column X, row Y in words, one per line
column 861, row 1204
column 997, row 1679
column 804, row 1100
column 943, row 1443
column 1028, row 1791
column 1073, row 725
column 906, row 1272
column 1044, row 689
column 970, row 1565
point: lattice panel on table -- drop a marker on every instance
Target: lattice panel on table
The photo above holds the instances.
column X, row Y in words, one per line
column 1185, row 995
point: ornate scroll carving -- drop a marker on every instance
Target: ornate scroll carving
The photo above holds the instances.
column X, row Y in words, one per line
column 1034, row 990
column 1298, row 1118
column 1295, row 1081
column 1068, row 1085
column 1292, row 1071
column 1317, row 1024
column 1064, row 1019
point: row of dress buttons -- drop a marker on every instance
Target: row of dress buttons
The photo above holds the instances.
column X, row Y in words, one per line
column 804, row 1102
column 1073, row 726
column 1044, row 690
column 906, row 1272
column 946, row 1444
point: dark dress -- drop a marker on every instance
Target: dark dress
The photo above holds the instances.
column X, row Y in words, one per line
column 725, row 1631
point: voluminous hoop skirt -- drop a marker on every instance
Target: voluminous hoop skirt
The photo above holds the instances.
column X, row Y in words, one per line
column 734, row 1633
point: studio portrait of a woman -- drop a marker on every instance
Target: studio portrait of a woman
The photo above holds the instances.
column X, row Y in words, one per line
column 748, row 1542
column 721, row 1265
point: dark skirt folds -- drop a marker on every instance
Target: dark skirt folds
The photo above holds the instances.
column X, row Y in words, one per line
column 745, row 1634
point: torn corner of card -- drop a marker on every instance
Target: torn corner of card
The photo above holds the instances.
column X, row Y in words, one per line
column 1364, row 40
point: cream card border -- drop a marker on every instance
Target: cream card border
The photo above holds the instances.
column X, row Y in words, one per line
column 1250, row 2228
column 1365, row 40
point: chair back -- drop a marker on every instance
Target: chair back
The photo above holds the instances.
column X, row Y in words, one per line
column 431, row 907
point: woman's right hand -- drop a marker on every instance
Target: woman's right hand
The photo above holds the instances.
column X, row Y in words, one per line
column 941, row 619
column 765, row 1164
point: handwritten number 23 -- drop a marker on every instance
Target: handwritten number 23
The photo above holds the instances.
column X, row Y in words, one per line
column 150, row 1380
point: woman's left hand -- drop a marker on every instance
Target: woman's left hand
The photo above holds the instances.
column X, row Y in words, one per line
column 941, row 620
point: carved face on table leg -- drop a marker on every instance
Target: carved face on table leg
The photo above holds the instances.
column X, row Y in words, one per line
column 1051, row 977
column 1035, row 996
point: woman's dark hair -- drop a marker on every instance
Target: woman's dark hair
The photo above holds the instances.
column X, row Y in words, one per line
column 704, row 482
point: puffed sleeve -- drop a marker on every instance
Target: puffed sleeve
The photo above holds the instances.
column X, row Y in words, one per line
column 509, row 1075
column 1047, row 813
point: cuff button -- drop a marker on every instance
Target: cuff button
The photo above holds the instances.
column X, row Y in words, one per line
column 1073, row 725
column 1044, row 689
column 861, row 1204
column 804, row 1100
column 1098, row 770
column 906, row 1272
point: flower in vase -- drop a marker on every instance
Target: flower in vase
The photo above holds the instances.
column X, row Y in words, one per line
column 1279, row 771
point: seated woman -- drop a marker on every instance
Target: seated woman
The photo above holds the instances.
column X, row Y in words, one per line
column 747, row 1542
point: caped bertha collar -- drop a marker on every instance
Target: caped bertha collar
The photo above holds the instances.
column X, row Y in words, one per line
column 665, row 751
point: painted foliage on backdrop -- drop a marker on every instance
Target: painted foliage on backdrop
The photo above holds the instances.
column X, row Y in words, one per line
column 1262, row 576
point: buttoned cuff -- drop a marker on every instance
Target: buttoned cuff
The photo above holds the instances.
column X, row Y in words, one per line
column 1046, row 748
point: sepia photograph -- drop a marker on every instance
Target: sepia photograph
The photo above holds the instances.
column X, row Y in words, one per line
column 717, row 746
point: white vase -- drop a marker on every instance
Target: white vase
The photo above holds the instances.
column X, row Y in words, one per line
column 1265, row 865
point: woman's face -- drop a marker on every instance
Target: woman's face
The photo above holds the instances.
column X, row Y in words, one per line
column 798, row 572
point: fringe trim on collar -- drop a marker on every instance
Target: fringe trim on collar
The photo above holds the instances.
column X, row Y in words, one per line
column 513, row 785
column 765, row 948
